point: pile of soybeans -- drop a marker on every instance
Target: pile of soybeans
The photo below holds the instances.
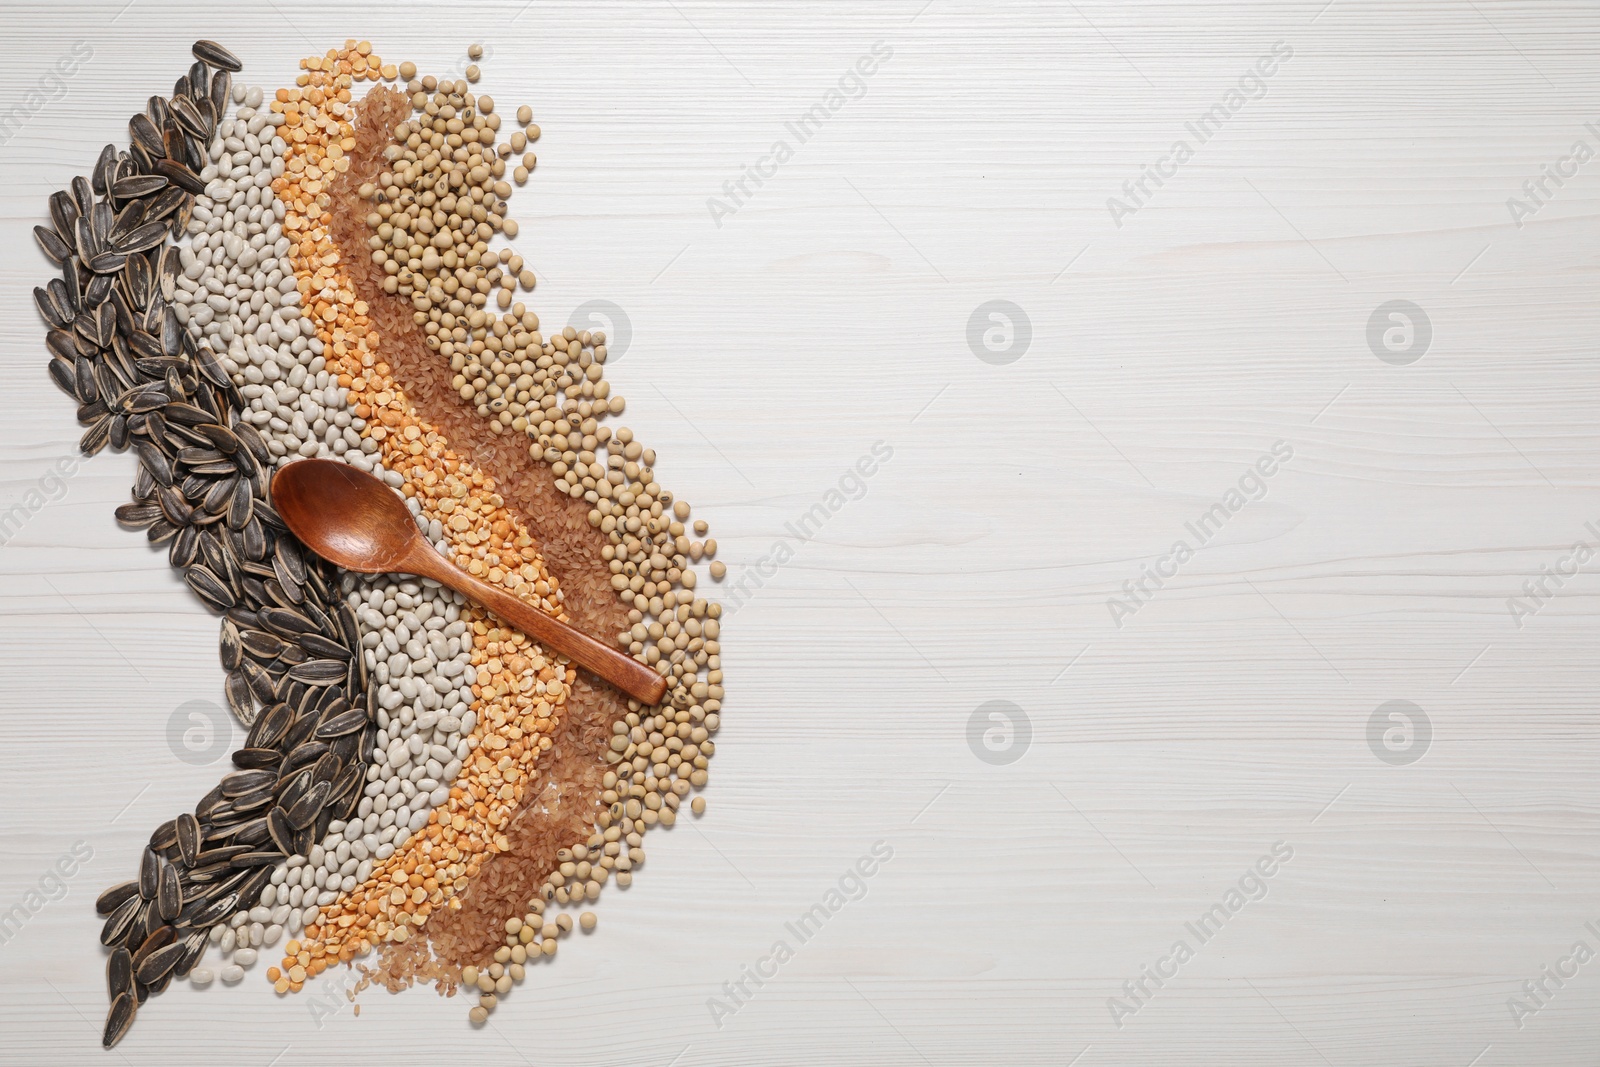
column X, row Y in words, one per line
column 328, row 269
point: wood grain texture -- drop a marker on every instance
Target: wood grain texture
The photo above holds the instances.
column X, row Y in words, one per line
column 830, row 311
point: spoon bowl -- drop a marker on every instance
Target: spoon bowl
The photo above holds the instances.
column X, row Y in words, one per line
column 355, row 521
column 350, row 518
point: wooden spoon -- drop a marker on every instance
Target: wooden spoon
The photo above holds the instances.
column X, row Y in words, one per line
column 354, row 520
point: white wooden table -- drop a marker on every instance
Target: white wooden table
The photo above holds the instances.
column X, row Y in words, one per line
column 1170, row 744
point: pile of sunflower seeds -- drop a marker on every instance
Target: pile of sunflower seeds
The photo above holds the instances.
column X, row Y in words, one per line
column 291, row 647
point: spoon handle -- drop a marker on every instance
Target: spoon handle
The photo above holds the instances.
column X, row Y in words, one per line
column 636, row 679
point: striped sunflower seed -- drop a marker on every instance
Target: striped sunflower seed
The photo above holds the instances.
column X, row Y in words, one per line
column 320, row 672
column 119, row 1018
column 158, row 964
column 308, row 807
column 282, row 829
column 188, row 837
column 344, row 723
column 240, row 700
column 217, row 56
column 159, row 937
column 239, row 783
column 119, row 972
column 121, row 920
column 111, row 899
column 257, row 758
column 52, row 244
column 209, row 588
column 229, row 645
column 169, row 892
column 149, row 874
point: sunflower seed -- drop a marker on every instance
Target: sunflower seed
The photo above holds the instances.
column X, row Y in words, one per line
column 258, row 448
column 251, row 832
column 253, row 801
column 105, row 323
column 137, row 185
column 262, row 645
column 308, row 807
column 180, row 175
column 282, row 831
column 286, row 622
column 267, row 858
column 240, row 700
column 140, row 239
column 93, row 411
column 248, row 758
column 82, row 195
column 254, row 536
column 294, row 695
column 188, row 837
column 113, row 898
column 138, row 279
column 138, row 514
column 52, row 244
column 173, row 506
column 120, row 434
column 51, row 308
column 216, row 910
column 84, row 237
column 63, row 214
column 189, row 116
column 157, row 939
column 96, row 290
column 86, row 388
column 119, row 972
column 169, row 894
column 221, row 85
column 121, row 920
column 119, row 1018
column 261, row 683
column 219, row 858
column 149, row 874
column 164, row 838
column 239, row 783
column 186, row 546
column 128, row 219
column 171, row 334
column 64, row 375
column 194, row 946
column 302, row 755
column 158, row 964
column 207, row 363
column 106, row 262
column 160, row 532
column 209, row 588
column 229, row 646
column 152, row 459
column 320, row 672
column 159, row 207
column 241, row 506
column 213, row 53
column 271, row 727
column 95, row 438
column 344, row 723
column 199, row 79
column 143, row 133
